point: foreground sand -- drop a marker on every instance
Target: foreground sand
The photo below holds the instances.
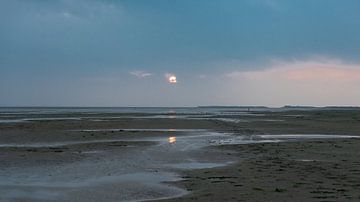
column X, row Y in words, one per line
column 321, row 170
column 297, row 171
column 77, row 160
column 87, row 160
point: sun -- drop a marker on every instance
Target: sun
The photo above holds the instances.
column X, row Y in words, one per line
column 172, row 79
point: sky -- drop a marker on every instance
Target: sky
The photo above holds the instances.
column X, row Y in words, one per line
column 223, row 52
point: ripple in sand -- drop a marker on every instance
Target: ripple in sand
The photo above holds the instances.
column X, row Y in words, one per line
column 253, row 139
column 306, row 136
column 197, row 165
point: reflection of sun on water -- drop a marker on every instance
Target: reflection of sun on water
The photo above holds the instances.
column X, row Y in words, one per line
column 172, row 140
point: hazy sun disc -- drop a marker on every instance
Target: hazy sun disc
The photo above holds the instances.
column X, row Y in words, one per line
column 172, row 79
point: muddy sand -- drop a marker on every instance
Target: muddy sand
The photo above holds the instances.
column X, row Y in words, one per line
column 270, row 155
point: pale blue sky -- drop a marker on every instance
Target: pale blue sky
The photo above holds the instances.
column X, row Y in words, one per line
column 85, row 52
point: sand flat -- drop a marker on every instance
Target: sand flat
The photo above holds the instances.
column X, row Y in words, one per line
column 311, row 156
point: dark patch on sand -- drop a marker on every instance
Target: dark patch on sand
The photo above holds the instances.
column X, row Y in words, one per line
column 292, row 171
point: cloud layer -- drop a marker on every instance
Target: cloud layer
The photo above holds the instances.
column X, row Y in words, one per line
column 83, row 52
column 304, row 82
column 141, row 74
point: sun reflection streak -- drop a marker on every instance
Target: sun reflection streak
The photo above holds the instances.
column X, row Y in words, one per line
column 172, row 140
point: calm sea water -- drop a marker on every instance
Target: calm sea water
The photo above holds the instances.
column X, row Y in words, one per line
column 19, row 114
column 151, row 110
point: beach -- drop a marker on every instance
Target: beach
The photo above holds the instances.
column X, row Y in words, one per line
column 187, row 100
column 179, row 154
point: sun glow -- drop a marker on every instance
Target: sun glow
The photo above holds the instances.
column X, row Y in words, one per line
column 172, row 79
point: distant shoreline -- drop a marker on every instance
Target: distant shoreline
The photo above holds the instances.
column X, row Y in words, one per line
column 205, row 106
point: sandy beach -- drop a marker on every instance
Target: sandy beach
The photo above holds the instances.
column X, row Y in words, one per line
column 179, row 154
column 186, row 100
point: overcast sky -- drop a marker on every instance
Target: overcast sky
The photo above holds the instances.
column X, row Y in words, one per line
column 223, row 52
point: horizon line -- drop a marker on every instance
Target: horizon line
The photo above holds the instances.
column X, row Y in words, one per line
column 199, row 106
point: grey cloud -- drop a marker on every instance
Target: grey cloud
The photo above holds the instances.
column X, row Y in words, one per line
column 141, row 74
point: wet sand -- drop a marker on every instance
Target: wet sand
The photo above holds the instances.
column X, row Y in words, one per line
column 237, row 156
column 291, row 171
column 110, row 159
column 294, row 170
